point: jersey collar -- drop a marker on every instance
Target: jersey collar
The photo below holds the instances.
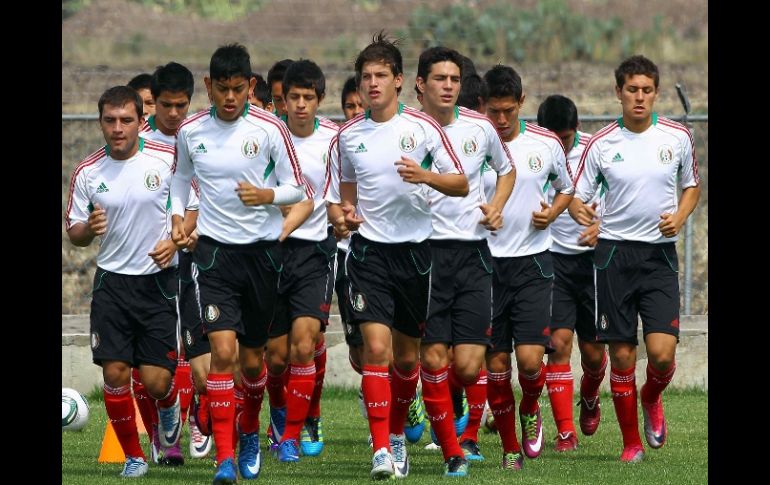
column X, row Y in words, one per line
column 654, row 120
column 316, row 122
column 368, row 112
column 151, row 122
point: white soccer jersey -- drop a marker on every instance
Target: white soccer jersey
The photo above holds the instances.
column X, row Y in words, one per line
column 150, row 131
column 365, row 151
column 255, row 148
column 564, row 230
column 639, row 173
column 134, row 194
column 313, row 153
column 475, row 141
column 540, row 163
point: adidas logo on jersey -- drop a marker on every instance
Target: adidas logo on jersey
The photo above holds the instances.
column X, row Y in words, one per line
column 361, row 148
column 102, row 188
column 618, row 158
column 200, row 149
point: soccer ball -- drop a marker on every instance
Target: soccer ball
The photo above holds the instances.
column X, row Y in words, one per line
column 74, row 410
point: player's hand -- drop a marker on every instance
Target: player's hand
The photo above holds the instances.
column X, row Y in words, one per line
column 97, row 220
column 493, row 219
column 541, row 219
column 669, row 224
column 590, row 236
column 352, row 221
column 410, row 171
column 178, row 234
column 341, row 230
column 250, row 195
column 587, row 214
column 192, row 241
column 163, row 254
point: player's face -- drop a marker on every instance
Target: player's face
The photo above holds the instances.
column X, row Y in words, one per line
column 149, row 103
column 229, row 95
column 353, row 105
column 637, row 97
column 504, row 113
column 279, row 102
column 379, row 85
column 301, row 106
column 441, row 88
column 567, row 138
column 120, row 127
column 170, row 111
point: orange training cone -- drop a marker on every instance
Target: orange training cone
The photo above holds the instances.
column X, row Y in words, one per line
column 138, row 418
column 111, row 451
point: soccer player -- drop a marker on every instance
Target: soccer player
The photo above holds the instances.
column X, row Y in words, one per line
column 374, row 164
column 460, row 313
column 523, row 269
column 120, row 193
column 639, row 161
column 141, row 83
column 246, row 166
column 473, row 93
column 572, row 308
column 260, row 95
column 275, row 82
column 352, row 104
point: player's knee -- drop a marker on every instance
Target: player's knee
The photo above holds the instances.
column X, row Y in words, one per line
column 467, row 372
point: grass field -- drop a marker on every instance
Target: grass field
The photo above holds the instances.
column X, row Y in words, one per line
column 347, row 457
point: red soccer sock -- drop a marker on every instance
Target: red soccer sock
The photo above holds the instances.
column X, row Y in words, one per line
column 298, row 396
column 476, row 393
column 403, row 385
column 238, row 400
column 320, row 373
column 456, row 384
column 438, row 405
column 502, row 404
column 120, row 411
column 531, row 388
column 276, row 390
column 203, row 417
column 183, row 383
column 623, row 387
column 656, row 382
column 147, row 408
column 170, row 398
column 253, row 394
column 589, row 383
column 377, row 400
column 560, row 383
column 219, row 388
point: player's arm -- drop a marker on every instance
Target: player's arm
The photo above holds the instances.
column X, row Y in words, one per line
column 500, row 160
column 689, row 181
column 83, row 233
column 586, row 182
column 296, row 214
column 450, row 179
column 181, row 184
column 84, row 220
column 563, row 186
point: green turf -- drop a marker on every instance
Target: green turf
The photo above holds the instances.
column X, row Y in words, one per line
column 347, row 457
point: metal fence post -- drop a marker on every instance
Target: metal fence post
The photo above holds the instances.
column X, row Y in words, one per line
column 688, row 229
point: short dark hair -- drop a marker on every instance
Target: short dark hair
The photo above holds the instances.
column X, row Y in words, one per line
column 503, row 81
column 261, row 89
column 468, row 66
column 174, row 78
column 381, row 50
column 140, row 81
column 636, row 65
column 557, row 113
column 277, row 71
column 119, row 96
column 350, row 86
column 230, row 61
column 304, row 73
column 472, row 88
column 432, row 55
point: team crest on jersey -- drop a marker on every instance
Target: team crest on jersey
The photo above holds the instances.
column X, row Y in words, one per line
column 211, row 313
column 603, row 322
column 359, row 302
column 407, row 142
column 665, row 154
column 94, row 340
column 152, row 180
column 250, row 148
column 535, row 162
column 470, row 146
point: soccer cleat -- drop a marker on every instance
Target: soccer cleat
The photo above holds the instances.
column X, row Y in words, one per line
column 566, row 441
column 471, row 450
column 226, row 473
column 288, row 452
column 200, row 445
column 272, row 445
column 196, row 413
column 311, row 439
column 513, row 461
column 169, row 424
column 590, row 414
column 134, row 467
column 415, row 419
column 155, row 445
column 632, row 454
column 461, row 412
column 249, row 457
column 654, row 423
column 398, row 452
column 172, row 456
column 532, row 433
column 277, row 422
column 382, row 465
column 456, row 466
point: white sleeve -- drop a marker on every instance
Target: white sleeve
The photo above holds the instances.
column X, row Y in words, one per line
column 332, row 179
column 444, row 157
column 183, row 172
column 287, row 168
column 688, row 167
column 79, row 206
column 589, row 173
column 193, row 201
column 498, row 157
column 562, row 183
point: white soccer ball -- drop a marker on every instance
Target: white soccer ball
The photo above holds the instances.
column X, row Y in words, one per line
column 74, row 410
